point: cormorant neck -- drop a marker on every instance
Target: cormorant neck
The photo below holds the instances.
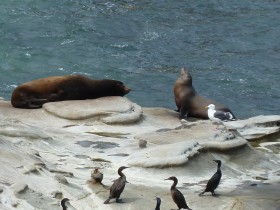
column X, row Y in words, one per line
column 219, row 169
column 121, row 173
column 175, row 181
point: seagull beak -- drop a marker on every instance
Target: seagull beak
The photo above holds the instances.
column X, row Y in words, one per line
column 206, row 107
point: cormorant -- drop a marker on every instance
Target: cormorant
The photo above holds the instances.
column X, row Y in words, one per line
column 177, row 196
column 118, row 186
column 158, row 203
column 214, row 181
column 96, row 175
column 218, row 116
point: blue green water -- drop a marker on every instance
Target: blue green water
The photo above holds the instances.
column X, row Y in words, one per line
column 232, row 48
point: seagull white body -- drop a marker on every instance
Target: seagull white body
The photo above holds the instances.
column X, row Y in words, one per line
column 217, row 115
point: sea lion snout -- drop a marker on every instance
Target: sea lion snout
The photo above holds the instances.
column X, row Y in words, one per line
column 127, row 90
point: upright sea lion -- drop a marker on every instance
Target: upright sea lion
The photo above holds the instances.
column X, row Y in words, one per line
column 33, row 94
column 188, row 102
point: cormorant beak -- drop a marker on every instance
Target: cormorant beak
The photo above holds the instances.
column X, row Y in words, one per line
column 167, row 179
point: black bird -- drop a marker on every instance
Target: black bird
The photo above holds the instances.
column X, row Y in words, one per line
column 177, row 196
column 214, row 181
column 118, row 186
column 158, row 203
column 63, row 201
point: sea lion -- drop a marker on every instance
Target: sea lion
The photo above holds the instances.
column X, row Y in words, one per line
column 188, row 102
column 33, row 94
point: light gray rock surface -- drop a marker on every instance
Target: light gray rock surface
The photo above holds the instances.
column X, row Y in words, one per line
column 53, row 155
column 256, row 127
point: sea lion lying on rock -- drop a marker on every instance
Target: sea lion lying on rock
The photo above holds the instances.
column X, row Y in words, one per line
column 33, row 94
column 188, row 102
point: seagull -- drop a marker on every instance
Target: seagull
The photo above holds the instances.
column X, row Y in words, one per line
column 218, row 116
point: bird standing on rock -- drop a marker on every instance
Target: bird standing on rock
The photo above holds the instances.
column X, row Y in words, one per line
column 177, row 196
column 218, row 116
column 214, row 181
column 117, row 187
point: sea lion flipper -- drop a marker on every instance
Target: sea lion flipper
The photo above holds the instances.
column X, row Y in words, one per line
column 184, row 111
column 56, row 96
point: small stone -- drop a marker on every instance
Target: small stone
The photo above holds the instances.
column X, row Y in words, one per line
column 142, row 143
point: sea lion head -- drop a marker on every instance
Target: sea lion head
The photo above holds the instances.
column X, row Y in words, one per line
column 117, row 88
column 185, row 77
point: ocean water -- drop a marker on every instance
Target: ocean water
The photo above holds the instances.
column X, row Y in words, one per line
column 231, row 48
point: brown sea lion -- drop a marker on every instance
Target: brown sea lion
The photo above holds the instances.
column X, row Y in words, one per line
column 33, row 94
column 188, row 102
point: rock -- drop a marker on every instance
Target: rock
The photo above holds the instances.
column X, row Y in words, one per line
column 110, row 110
column 57, row 194
column 256, row 127
column 175, row 147
column 30, row 169
column 163, row 156
column 61, row 179
column 20, row 188
column 142, row 143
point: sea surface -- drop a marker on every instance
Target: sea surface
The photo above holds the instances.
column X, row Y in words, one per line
column 231, row 48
